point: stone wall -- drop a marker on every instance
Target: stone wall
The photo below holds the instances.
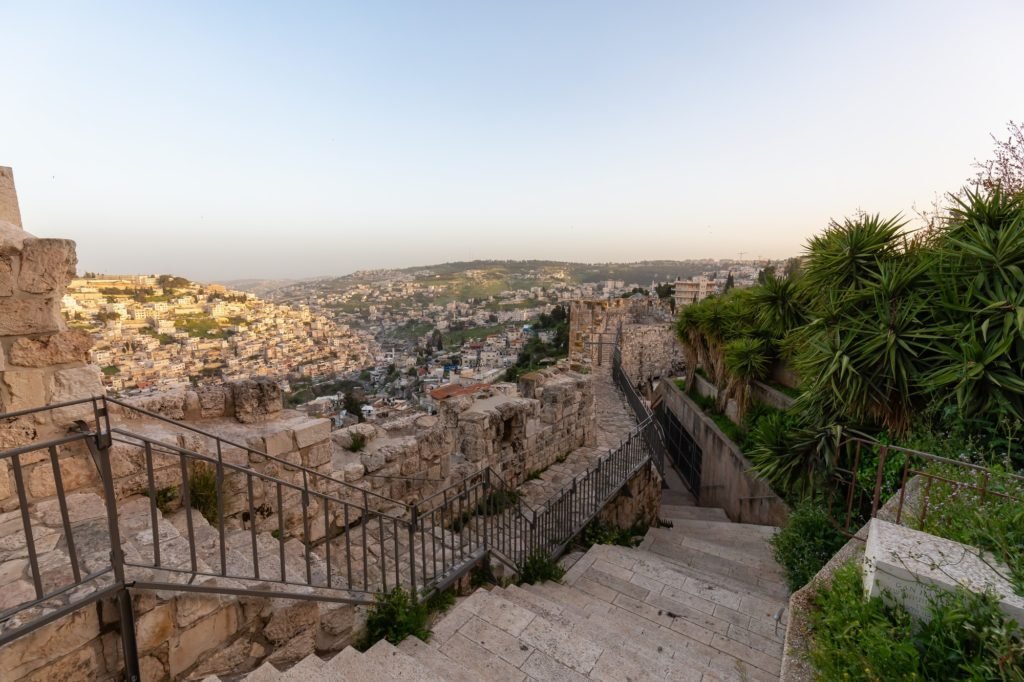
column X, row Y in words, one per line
column 638, row 503
column 596, row 321
column 725, row 479
column 514, row 430
column 649, row 352
column 9, row 210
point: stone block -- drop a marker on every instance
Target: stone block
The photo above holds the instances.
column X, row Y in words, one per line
column 76, row 472
column 255, row 400
column 74, row 383
column 204, row 635
column 312, row 432
column 353, row 472
column 25, row 389
column 82, row 665
column 154, row 627
column 372, row 461
column 289, row 618
column 213, row 400
column 909, row 566
column 279, row 442
column 47, row 265
column 317, row 455
column 192, row 607
column 50, row 643
column 67, row 346
column 6, row 276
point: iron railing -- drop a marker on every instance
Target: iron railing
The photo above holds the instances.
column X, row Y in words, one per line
column 235, row 520
column 641, row 410
column 923, row 482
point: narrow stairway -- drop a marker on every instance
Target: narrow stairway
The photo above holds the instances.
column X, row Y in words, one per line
column 702, row 601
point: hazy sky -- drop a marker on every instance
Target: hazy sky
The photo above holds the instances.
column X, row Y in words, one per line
column 219, row 140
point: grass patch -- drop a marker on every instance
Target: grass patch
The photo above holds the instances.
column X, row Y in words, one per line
column 358, row 442
column 202, row 490
column 600, row 533
column 539, row 567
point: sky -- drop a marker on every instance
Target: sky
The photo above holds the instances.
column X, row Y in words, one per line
column 287, row 140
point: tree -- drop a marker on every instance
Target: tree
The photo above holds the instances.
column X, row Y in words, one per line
column 353, row 405
column 1005, row 171
column 729, row 282
column 664, row 290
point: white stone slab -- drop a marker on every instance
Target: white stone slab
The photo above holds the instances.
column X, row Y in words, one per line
column 910, row 566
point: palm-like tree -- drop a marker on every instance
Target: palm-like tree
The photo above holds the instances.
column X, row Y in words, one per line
column 746, row 359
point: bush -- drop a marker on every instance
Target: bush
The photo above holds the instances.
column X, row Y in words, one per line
column 358, row 442
column 394, row 616
column 166, row 498
column 539, row 567
column 600, row 533
column 806, row 543
column 967, row 637
column 859, row 639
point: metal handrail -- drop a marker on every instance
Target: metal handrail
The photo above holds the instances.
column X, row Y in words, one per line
column 854, row 504
column 249, row 450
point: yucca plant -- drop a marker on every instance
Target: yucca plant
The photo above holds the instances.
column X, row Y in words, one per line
column 746, row 359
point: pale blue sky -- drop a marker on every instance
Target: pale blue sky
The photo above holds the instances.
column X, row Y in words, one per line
column 220, row 140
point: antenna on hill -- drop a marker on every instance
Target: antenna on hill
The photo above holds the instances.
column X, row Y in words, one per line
column 742, row 254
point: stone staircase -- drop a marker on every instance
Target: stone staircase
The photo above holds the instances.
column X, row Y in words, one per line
column 702, row 600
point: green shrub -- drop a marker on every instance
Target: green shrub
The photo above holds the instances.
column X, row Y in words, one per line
column 806, row 543
column 358, row 442
column 496, row 502
column 394, row 616
column 860, row 639
column 967, row 637
column 202, row 490
column 539, row 567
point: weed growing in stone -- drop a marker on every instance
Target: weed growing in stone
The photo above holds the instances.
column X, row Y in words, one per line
column 358, row 442
column 166, row 498
column 202, row 490
column 539, row 567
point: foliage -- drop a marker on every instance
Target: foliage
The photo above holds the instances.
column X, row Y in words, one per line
column 496, row 502
column 540, row 567
column 1005, row 171
column 860, row 639
column 967, row 637
column 600, row 533
column 353, row 405
column 111, row 370
column 394, row 616
column 166, row 498
column 358, row 442
column 202, row 490
column 806, row 543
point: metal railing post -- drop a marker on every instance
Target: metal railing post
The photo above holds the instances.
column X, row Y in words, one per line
column 413, row 520
column 126, row 614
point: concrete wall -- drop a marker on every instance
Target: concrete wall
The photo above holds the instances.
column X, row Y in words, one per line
column 726, row 480
column 763, row 393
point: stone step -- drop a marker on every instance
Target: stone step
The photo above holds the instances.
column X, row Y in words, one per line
column 645, row 577
column 398, row 665
column 711, row 557
column 677, row 497
column 738, row 550
column 672, row 511
column 623, row 657
column 435, row 661
column 752, row 542
column 352, row 666
column 538, row 647
column 662, row 641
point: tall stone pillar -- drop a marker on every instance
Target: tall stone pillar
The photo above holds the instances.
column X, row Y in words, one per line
column 41, row 360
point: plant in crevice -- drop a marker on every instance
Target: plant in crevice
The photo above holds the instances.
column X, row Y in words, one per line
column 202, row 490
column 540, row 567
column 394, row 616
column 357, row 443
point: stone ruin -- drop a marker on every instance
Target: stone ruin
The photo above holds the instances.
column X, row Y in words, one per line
column 648, row 342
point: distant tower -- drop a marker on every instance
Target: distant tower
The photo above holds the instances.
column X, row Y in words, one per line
column 9, row 211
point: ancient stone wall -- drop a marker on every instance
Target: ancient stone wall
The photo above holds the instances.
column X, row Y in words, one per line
column 9, row 210
column 638, row 503
column 649, row 352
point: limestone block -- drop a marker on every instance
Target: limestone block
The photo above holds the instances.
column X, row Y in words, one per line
column 192, row 607
column 311, row 432
column 76, row 472
column 74, row 383
column 151, row 668
column 213, row 400
column 316, row 455
column 25, row 389
column 232, row 659
column 204, row 635
column 372, row 461
column 6, row 483
column 279, row 442
column 909, row 565
column 71, row 345
column 82, row 665
column 47, row 265
column 49, row 643
column 288, row 618
column 255, row 399
column 6, row 276
column 154, row 627
column 353, row 472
